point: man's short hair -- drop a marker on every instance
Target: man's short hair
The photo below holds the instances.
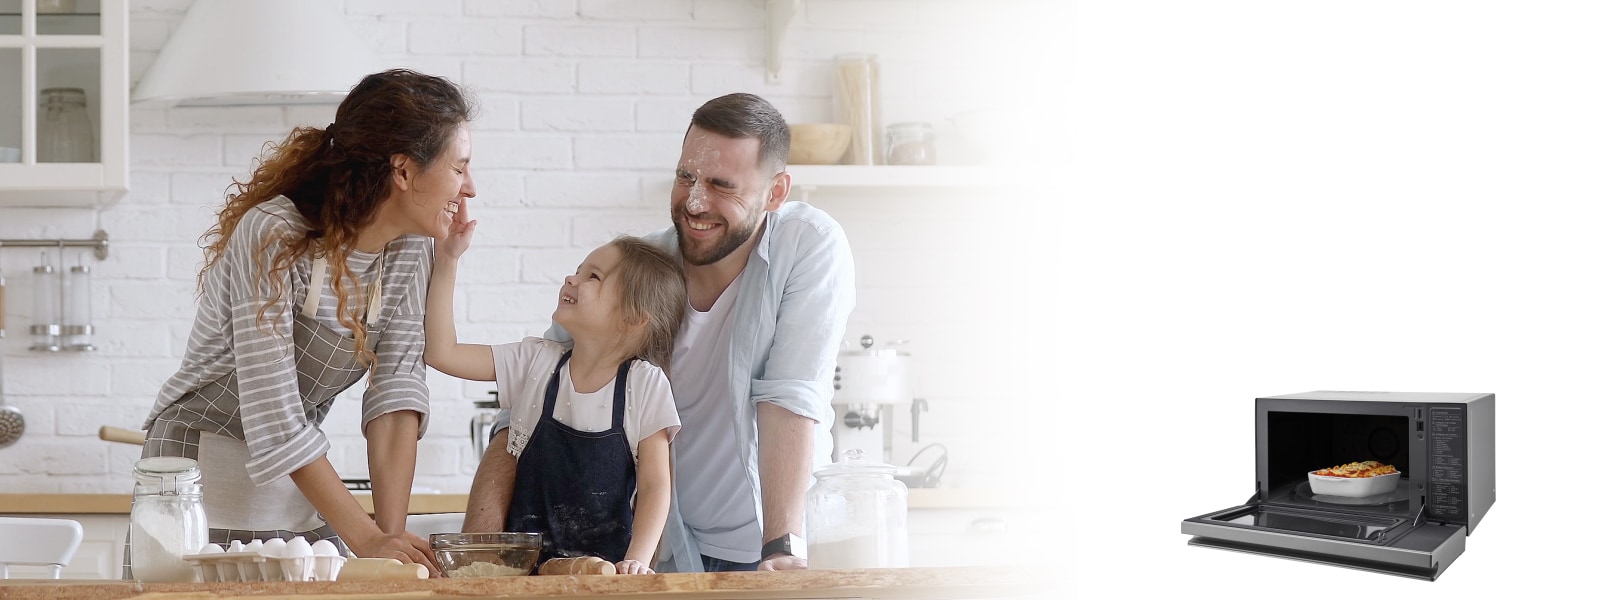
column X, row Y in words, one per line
column 743, row 115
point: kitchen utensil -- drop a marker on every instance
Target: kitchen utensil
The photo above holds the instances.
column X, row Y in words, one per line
column 818, row 143
column 580, row 565
column 118, row 434
column 11, row 422
column 359, row 569
column 496, row 554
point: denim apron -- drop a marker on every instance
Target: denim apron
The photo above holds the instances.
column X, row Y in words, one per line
column 576, row 487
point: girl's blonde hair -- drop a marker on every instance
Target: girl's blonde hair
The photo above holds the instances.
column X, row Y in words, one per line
column 338, row 177
column 653, row 293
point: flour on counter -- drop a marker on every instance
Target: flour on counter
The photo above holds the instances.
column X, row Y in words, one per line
column 486, row 569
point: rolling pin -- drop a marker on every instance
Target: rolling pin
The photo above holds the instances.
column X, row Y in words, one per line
column 359, row 569
column 582, row 565
column 118, row 434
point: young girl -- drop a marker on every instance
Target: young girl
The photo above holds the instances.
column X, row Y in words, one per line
column 591, row 422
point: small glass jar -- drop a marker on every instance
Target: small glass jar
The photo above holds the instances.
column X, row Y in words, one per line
column 76, row 322
column 856, row 516
column 167, row 521
column 911, row 144
column 65, row 134
column 46, row 328
column 857, row 102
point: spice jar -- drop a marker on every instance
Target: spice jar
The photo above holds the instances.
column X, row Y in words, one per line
column 856, row 516
column 911, row 144
column 167, row 520
column 65, row 134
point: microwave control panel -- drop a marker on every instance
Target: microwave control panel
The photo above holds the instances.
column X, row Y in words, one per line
column 1446, row 429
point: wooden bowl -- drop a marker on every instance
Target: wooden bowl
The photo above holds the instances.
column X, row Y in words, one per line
column 818, row 143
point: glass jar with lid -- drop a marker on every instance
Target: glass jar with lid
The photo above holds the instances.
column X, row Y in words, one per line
column 911, row 144
column 167, row 521
column 65, row 134
column 856, row 516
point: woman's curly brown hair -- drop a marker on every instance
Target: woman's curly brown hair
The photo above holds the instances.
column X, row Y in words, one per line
column 338, row 177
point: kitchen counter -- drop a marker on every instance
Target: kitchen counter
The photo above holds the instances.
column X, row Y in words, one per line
column 887, row 584
column 58, row 504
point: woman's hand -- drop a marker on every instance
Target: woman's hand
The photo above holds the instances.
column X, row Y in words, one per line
column 405, row 546
column 633, row 567
column 459, row 236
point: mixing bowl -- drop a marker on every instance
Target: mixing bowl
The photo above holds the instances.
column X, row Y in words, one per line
column 818, row 143
column 486, row 554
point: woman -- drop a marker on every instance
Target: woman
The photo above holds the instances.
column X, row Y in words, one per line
column 317, row 274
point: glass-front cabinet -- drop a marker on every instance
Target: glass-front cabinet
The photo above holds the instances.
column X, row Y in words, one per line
column 63, row 102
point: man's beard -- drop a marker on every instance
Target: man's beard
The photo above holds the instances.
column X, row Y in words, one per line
column 731, row 240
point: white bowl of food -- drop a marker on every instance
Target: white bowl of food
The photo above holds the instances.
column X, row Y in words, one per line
column 1354, row 480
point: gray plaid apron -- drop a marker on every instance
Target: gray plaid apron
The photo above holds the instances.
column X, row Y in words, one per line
column 205, row 425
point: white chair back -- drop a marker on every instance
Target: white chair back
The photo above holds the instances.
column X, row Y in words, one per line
column 38, row 543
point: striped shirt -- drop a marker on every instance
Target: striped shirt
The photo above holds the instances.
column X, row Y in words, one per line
column 239, row 377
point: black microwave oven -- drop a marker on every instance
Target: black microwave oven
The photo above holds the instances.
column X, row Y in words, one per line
column 1412, row 520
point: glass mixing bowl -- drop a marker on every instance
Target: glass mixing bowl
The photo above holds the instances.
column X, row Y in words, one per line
column 486, row 554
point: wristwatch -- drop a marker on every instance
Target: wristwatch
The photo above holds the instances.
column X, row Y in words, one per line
column 788, row 543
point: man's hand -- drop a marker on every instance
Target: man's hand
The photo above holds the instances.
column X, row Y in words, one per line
column 782, row 562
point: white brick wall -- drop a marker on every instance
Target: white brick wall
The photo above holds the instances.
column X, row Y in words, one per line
column 583, row 104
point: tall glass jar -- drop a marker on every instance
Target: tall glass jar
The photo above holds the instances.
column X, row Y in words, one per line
column 65, row 134
column 857, row 103
column 856, row 516
column 167, row 520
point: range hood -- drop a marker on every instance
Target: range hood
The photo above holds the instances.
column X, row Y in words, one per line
column 258, row 52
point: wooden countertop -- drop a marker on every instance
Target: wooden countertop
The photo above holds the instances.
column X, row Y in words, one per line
column 59, row 504
column 950, row 583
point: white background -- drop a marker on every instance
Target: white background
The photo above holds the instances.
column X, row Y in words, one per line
column 1287, row 196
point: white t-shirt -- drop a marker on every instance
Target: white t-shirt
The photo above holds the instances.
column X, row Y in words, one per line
column 723, row 517
column 522, row 372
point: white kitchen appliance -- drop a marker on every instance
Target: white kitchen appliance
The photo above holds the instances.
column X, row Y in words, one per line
column 868, row 382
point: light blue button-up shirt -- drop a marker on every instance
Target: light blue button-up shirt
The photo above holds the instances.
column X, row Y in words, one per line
column 788, row 322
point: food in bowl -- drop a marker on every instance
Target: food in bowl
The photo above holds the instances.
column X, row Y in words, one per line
column 1355, row 480
column 818, row 143
column 498, row 554
column 1366, row 468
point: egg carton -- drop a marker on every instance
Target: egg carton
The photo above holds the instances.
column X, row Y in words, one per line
column 279, row 562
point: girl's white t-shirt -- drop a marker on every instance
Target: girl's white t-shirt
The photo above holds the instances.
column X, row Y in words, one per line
column 522, row 372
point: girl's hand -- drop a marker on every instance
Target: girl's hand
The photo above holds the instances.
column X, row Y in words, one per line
column 633, row 567
column 459, row 236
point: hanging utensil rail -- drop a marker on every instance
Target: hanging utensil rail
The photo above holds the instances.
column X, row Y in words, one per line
column 100, row 242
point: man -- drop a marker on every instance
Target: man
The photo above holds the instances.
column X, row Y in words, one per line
column 770, row 287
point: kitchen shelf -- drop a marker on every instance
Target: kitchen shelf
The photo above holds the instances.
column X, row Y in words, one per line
column 813, row 177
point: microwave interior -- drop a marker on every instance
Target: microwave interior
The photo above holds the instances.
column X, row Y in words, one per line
column 1298, row 443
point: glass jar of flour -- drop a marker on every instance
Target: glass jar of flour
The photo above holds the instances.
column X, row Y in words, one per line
column 167, row 520
column 856, row 516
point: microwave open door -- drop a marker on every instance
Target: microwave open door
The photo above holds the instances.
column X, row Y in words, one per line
column 1390, row 532
column 1393, row 544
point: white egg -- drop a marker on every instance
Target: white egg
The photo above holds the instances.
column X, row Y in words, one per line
column 324, row 548
column 236, row 546
column 210, row 549
column 297, row 547
column 253, row 546
column 273, row 548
